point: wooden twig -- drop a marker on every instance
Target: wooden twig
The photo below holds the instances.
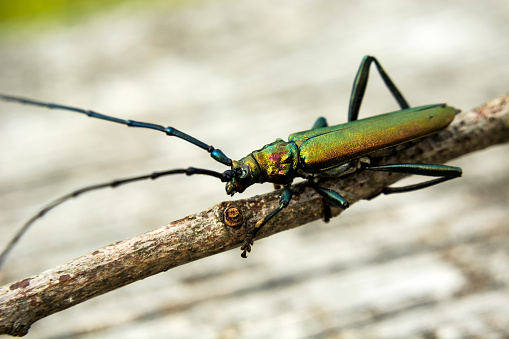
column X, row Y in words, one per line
column 224, row 226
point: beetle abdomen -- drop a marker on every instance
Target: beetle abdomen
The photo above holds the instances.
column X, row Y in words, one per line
column 353, row 140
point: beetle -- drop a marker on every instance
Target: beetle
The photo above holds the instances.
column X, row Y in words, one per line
column 321, row 152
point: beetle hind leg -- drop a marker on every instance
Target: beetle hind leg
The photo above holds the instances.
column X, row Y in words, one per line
column 443, row 172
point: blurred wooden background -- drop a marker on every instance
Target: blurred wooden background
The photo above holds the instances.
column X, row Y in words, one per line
column 428, row 264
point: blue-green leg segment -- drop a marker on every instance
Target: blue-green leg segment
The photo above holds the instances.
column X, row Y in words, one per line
column 319, row 123
column 284, row 200
column 442, row 171
column 360, row 83
column 329, row 198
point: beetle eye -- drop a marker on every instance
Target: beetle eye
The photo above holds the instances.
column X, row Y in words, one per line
column 244, row 172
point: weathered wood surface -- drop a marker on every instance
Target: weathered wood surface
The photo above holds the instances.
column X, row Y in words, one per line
column 432, row 263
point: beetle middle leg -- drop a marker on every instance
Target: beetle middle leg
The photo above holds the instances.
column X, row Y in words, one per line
column 330, row 199
column 284, row 200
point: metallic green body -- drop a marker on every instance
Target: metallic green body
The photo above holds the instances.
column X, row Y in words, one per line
column 318, row 150
column 328, row 147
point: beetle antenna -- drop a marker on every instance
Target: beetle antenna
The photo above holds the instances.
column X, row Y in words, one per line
column 216, row 154
column 225, row 176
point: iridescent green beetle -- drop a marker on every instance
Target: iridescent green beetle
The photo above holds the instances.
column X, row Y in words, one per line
column 322, row 151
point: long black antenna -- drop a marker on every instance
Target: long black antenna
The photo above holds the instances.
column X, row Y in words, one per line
column 216, row 154
column 225, row 176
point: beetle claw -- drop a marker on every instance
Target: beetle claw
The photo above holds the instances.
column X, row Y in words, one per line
column 246, row 247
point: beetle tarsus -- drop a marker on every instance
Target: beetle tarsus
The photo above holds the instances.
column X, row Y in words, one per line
column 247, row 246
column 284, row 199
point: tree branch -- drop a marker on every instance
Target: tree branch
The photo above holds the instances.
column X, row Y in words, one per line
column 225, row 225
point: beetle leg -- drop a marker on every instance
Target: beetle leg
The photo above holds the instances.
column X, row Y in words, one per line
column 329, row 198
column 362, row 162
column 360, row 83
column 442, row 171
column 319, row 123
column 327, row 213
column 284, row 200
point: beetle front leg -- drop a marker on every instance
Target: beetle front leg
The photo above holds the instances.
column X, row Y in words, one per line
column 284, row 200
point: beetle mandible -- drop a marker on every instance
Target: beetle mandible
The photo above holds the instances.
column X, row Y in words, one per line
column 322, row 151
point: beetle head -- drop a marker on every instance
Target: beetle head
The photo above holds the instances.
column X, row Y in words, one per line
column 245, row 173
